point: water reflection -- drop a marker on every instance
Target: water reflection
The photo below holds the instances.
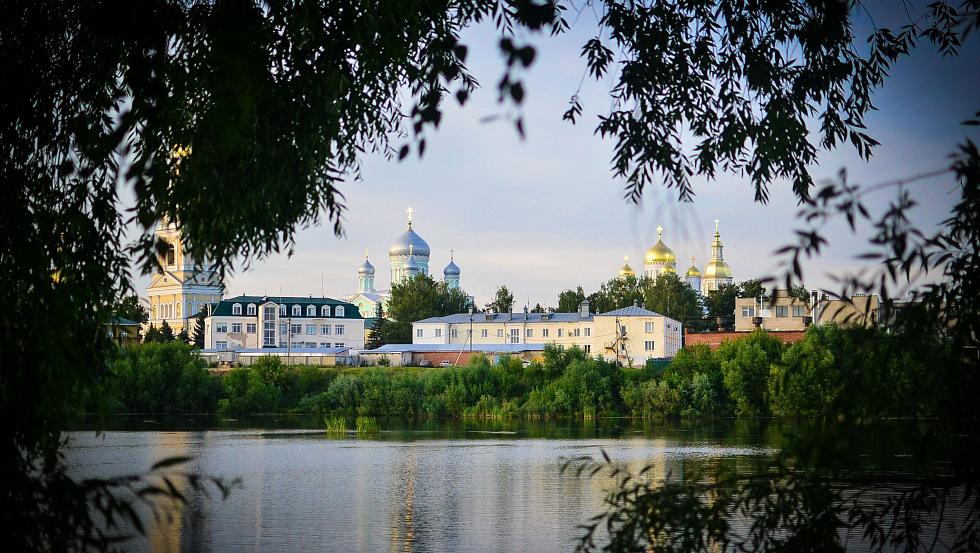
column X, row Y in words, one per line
column 428, row 486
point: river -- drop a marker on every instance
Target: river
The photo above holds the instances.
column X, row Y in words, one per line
column 436, row 486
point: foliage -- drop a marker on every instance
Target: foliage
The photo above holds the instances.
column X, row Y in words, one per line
column 569, row 300
column 415, row 299
column 160, row 378
column 198, row 338
column 503, row 301
column 671, row 296
column 335, row 425
column 129, row 307
column 721, row 301
column 367, row 426
column 376, row 333
column 166, row 333
column 745, row 365
column 752, row 288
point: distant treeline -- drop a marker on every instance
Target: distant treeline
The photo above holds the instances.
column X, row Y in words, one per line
column 851, row 374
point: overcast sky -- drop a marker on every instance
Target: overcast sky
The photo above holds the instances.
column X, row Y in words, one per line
column 545, row 214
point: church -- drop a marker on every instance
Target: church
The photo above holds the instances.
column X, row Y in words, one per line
column 408, row 256
column 660, row 259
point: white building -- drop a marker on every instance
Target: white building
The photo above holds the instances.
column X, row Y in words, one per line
column 630, row 335
column 245, row 322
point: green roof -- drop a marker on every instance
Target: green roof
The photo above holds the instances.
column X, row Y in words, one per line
column 121, row 321
column 223, row 308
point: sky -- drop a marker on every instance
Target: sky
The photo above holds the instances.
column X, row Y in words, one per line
column 545, row 213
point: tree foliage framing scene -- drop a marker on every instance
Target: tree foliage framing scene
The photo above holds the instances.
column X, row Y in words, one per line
column 247, row 122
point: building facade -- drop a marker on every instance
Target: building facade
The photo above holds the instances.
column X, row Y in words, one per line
column 660, row 259
column 182, row 287
column 630, row 336
column 782, row 311
column 248, row 322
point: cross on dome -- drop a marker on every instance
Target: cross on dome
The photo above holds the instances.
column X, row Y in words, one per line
column 451, row 253
column 365, row 253
column 626, row 258
column 660, row 231
column 410, row 212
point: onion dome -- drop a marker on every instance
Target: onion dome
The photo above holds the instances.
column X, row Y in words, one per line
column 452, row 269
column 366, row 268
column 659, row 252
column 409, row 240
column 412, row 267
column 693, row 271
column 626, row 271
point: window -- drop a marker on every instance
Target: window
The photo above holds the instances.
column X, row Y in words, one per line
column 282, row 343
column 282, row 310
column 483, row 333
column 250, row 309
column 236, row 309
column 622, row 347
column 283, row 328
column 295, row 328
column 325, row 311
column 250, row 328
column 588, row 348
column 544, row 332
column 221, row 327
column 452, row 332
column 782, row 311
column 799, row 311
column 560, row 331
column 515, row 335
column 311, row 311
column 324, row 344
column 529, row 333
column 648, row 327
column 648, row 345
column 588, row 331
column 310, row 330
column 109, row 333
column 576, row 332
column 123, row 334
column 171, row 255
column 236, row 327
column 325, row 330
column 338, row 329
column 338, row 311
column 438, row 333
column 338, row 344
column 748, row 311
column 622, row 330
column 500, row 333
column 221, row 344
column 297, row 311
column 418, row 332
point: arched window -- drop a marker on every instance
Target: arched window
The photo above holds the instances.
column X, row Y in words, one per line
column 325, row 311
column 311, row 311
column 251, row 309
column 282, row 310
column 171, row 255
column 297, row 311
column 236, row 309
column 339, row 311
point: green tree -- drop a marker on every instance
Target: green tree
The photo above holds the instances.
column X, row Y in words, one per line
column 153, row 335
column 418, row 298
column 752, row 288
column 130, row 308
column 671, row 296
column 745, row 366
column 721, row 302
column 617, row 293
column 503, row 301
column 538, row 308
column 569, row 300
column 166, row 333
column 198, row 338
column 376, row 336
column 183, row 337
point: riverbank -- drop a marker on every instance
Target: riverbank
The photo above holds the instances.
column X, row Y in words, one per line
column 830, row 373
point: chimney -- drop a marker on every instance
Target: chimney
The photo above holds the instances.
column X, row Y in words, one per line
column 583, row 309
column 636, row 303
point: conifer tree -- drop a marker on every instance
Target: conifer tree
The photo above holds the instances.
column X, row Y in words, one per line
column 199, row 331
column 166, row 333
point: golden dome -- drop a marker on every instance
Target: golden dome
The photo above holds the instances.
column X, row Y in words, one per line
column 693, row 271
column 718, row 269
column 626, row 270
column 659, row 252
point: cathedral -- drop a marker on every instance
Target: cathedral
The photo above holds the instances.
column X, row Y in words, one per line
column 660, row 259
column 408, row 256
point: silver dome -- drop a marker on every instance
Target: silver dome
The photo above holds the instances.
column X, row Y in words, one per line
column 409, row 239
column 412, row 266
column 451, row 270
column 366, row 268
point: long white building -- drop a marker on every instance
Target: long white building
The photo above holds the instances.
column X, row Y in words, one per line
column 283, row 322
column 630, row 335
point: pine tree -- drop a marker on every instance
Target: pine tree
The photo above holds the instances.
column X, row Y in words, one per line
column 183, row 337
column 376, row 338
column 152, row 334
column 166, row 333
column 199, row 330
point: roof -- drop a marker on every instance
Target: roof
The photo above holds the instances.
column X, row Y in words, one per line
column 223, row 308
column 281, row 351
column 458, row 318
column 122, row 321
column 485, row 348
column 631, row 311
